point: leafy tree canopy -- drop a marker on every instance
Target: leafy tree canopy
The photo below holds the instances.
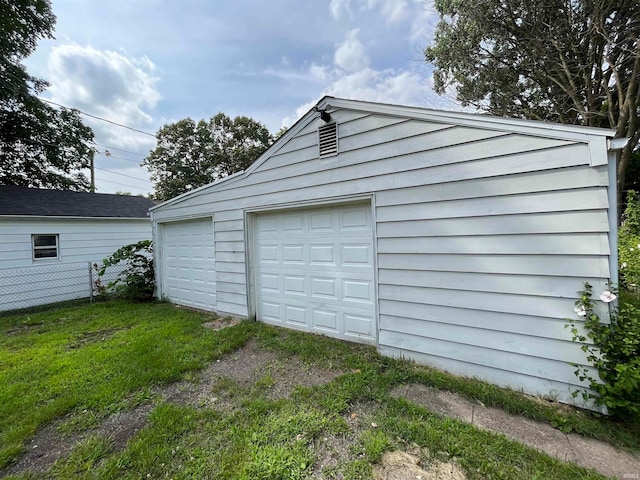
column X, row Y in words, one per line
column 568, row 61
column 189, row 154
column 40, row 146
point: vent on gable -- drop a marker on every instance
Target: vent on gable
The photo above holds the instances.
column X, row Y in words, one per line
column 328, row 140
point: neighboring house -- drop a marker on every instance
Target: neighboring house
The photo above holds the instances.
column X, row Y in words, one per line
column 48, row 238
column 452, row 239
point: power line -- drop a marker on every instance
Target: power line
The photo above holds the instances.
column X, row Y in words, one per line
column 109, row 155
column 78, row 110
column 97, row 152
column 122, row 184
column 98, row 118
column 119, row 149
column 123, row 174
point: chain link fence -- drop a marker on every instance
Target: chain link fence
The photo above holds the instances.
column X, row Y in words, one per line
column 39, row 287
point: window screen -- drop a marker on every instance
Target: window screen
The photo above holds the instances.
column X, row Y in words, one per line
column 45, row 246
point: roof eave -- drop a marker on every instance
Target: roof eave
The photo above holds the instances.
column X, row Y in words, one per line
column 69, row 217
column 464, row 118
column 291, row 132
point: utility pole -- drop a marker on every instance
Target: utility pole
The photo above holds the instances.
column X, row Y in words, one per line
column 93, row 176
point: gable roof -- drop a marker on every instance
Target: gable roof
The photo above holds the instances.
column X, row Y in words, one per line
column 38, row 202
column 597, row 138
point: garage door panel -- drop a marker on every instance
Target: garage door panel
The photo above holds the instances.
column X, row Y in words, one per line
column 324, row 287
column 314, row 271
column 189, row 263
column 356, row 254
column 358, row 326
column 355, row 219
column 323, row 254
column 295, row 285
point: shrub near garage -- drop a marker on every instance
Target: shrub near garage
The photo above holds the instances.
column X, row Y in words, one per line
column 615, row 354
column 136, row 282
column 629, row 244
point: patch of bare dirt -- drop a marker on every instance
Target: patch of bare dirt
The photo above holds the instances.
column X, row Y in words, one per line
column 49, row 444
column 88, row 338
column 220, row 323
column 245, row 368
column 399, row 465
column 332, row 451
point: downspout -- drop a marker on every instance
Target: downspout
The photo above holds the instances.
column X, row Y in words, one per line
column 613, row 145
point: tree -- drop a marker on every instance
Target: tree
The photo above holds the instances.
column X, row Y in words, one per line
column 40, row 146
column 189, row 154
column 568, row 61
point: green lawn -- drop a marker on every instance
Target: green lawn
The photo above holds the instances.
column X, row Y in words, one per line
column 79, row 365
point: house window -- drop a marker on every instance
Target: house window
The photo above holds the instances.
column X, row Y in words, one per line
column 44, row 246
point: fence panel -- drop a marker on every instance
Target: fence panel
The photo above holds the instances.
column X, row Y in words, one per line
column 41, row 285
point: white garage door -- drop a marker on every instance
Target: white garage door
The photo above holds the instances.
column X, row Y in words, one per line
column 314, row 271
column 189, row 266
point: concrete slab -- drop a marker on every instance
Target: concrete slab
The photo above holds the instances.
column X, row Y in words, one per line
column 441, row 402
column 572, row 448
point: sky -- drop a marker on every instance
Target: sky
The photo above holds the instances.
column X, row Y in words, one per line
column 146, row 63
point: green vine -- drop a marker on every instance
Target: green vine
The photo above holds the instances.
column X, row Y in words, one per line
column 136, row 282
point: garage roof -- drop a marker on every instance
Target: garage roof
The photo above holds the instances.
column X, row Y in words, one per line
column 595, row 137
column 38, row 202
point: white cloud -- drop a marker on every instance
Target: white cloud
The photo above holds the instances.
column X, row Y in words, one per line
column 353, row 77
column 108, row 81
column 113, row 86
column 351, row 55
column 393, row 11
column 423, row 22
column 338, row 8
column 420, row 16
column 314, row 73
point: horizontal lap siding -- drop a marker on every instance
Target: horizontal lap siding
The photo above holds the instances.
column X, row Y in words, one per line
column 230, row 263
column 483, row 238
column 25, row 282
column 488, row 282
column 79, row 240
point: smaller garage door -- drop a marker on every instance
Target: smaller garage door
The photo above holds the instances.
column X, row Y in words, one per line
column 189, row 265
column 314, row 271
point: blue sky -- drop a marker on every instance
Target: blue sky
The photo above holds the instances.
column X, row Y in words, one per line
column 144, row 63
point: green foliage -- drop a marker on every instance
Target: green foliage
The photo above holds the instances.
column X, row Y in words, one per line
column 47, row 374
column 375, row 443
column 614, row 353
column 189, row 154
column 629, row 243
column 40, row 146
column 136, row 282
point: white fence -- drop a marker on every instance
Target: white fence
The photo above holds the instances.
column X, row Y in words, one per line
column 40, row 285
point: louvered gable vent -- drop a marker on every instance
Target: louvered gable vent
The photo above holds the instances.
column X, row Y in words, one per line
column 328, row 140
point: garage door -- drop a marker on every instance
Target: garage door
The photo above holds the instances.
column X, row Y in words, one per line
column 189, row 266
column 314, row 271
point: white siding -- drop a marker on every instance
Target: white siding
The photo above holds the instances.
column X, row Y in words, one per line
column 27, row 282
column 484, row 237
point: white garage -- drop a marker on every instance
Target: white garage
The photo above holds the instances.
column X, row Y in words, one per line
column 456, row 240
column 314, row 271
column 188, row 266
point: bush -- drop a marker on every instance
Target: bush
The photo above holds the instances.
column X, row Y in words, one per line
column 136, row 282
column 629, row 244
column 614, row 354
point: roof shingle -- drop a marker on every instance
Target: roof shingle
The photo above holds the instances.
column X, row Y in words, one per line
column 39, row 202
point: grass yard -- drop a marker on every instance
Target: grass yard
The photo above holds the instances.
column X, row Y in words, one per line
column 73, row 369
